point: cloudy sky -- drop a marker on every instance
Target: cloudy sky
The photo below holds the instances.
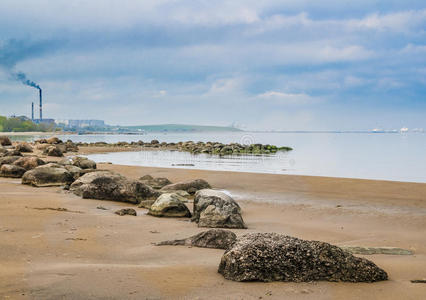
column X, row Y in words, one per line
column 286, row 65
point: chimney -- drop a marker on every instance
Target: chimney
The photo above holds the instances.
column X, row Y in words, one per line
column 41, row 106
column 32, row 111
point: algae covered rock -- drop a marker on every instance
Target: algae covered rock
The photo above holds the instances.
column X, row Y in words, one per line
column 275, row 257
column 169, row 205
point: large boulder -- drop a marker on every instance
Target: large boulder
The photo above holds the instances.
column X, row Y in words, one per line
column 83, row 162
column 169, row 205
column 48, row 175
column 5, row 141
column 156, row 183
column 29, row 162
column 53, row 151
column 24, row 147
column 216, row 209
column 11, row 171
column 189, row 186
column 275, row 257
column 8, row 160
column 213, row 238
column 105, row 185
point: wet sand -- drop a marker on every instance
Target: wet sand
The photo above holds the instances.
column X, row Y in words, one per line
column 91, row 253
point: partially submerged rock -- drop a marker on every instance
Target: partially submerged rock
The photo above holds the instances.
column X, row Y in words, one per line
column 126, row 211
column 47, row 175
column 105, row 185
column 169, row 205
column 29, row 162
column 376, row 250
column 216, row 209
column 12, row 171
column 213, row 238
column 189, row 186
column 5, row 141
column 275, row 257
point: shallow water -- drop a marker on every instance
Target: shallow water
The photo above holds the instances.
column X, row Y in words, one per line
column 387, row 156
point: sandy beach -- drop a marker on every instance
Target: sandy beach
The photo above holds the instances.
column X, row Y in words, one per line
column 87, row 252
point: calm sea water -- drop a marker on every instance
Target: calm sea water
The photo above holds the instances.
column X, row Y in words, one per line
column 388, row 156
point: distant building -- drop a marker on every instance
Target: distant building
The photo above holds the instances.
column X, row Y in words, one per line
column 81, row 123
column 44, row 121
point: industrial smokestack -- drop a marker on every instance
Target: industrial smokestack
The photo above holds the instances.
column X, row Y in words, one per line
column 41, row 105
column 32, row 111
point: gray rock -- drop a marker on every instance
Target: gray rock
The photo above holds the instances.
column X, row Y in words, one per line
column 275, row 257
column 13, row 152
column 156, row 183
column 213, row 238
column 5, row 141
column 189, row 186
column 29, row 162
column 12, row 171
column 83, row 162
column 146, row 204
column 2, row 151
column 47, row 176
column 75, row 171
column 216, row 209
column 376, row 250
column 126, row 211
column 53, row 151
column 8, row 160
column 169, row 205
column 105, row 185
column 24, row 147
column 53, row 140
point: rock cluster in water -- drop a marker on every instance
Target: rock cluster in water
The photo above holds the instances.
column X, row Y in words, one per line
column 198, row 147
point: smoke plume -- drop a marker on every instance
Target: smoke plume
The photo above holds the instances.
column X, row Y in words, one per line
column 23, row 78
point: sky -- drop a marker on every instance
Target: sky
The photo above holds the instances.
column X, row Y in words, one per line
column 261, row 65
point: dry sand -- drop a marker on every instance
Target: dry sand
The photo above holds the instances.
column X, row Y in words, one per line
column 91, row 253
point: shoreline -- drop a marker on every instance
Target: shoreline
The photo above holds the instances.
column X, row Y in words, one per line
column 53, row 242
column 48, row 253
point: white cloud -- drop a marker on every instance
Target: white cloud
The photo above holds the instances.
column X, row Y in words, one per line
column 288, row 98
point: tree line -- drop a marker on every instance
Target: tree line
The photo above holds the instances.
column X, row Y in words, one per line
column 22, row 124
